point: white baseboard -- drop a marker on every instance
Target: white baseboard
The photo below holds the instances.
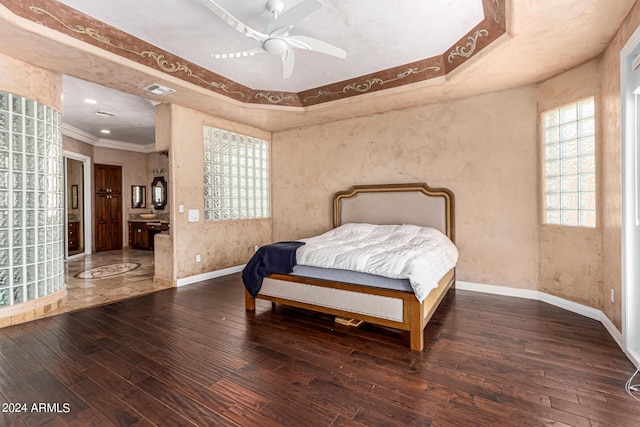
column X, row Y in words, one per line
column 209, row 275
column 574, row 307
column 497, row 290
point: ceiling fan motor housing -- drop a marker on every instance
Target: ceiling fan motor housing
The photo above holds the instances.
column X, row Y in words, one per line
column 275, row 7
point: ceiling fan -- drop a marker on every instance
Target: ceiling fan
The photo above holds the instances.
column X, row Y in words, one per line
column 275, row 38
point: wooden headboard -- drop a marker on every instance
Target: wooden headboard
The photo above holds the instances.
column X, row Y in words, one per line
column 416, row 204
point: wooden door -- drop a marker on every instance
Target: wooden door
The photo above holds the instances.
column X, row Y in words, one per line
column 140, row 236
column 108, row 178
column 108, row 207
column 101, row 178
column 115, row 221
column 102, row 239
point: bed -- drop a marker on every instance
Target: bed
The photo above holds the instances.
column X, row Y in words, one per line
column 389, row 305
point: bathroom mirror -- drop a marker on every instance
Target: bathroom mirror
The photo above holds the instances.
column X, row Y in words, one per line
column 138, row 196
column 159, row 192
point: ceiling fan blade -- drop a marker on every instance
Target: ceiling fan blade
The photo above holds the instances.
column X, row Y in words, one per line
column 288, row 61
column 294, row 14
column 309, row 43
column 234, row 22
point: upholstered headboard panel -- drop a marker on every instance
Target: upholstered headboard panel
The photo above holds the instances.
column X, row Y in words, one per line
column 396, row 204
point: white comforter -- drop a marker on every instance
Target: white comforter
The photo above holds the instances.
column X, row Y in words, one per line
column 422, row 255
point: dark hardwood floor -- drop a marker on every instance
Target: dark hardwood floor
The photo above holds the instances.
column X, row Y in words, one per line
column 192, row 356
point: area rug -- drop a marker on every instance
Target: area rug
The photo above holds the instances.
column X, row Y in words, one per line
column 107, row 270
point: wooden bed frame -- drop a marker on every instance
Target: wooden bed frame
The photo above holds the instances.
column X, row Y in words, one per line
column 416, row 204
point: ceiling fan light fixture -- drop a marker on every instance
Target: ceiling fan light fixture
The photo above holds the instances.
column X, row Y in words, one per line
column 275, row 46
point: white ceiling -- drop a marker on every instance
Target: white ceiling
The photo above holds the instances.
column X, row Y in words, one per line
column 368, row 31
column 133, row 122
column 544, row 38
column 376, row 35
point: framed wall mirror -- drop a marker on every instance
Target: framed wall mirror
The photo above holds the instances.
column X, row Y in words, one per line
column 159, row 192
column 74, row 197
column 138, row 196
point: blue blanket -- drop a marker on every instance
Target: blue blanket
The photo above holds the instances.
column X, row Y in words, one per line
column 278, row 258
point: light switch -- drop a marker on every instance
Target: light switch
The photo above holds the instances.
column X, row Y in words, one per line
column 180, row 208
column 194, row 215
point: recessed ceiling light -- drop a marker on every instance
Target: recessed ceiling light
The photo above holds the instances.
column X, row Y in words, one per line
column 105, row 131
column 90, row 101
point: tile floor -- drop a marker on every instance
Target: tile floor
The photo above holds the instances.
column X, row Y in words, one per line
column 83, row 293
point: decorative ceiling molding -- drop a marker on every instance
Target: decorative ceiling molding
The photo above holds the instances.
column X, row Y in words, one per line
column 277, row 97
column 496, row 14
column 410, row 73
column 469, row 48
column 87, row 138
column 66, row 20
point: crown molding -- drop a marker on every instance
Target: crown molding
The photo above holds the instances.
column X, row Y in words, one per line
column 87, row 138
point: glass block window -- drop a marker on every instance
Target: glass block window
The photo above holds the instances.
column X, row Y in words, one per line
column 31, row 200
column 570, row 165
column 236, row 176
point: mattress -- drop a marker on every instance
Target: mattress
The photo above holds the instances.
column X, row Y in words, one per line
column 348, row 276
column 422, row 255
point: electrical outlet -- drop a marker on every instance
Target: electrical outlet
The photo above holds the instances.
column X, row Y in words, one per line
column 198, row 258
column 613, row 295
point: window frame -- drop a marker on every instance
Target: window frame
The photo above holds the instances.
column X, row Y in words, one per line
column 564, row 181
column 225, row 196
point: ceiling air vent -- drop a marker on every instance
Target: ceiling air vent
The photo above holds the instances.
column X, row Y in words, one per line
column 103, row 113
column 159, row 89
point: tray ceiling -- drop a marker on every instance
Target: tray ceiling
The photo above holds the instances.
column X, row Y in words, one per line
column 540, row 38
column 388, row 44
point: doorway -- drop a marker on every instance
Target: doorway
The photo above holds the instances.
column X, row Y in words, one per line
column 630, row 127
column 77, row 173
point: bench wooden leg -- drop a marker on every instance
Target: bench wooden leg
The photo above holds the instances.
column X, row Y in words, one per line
column 249, row 301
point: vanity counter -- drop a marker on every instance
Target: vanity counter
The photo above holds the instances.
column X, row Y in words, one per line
column 143, row 231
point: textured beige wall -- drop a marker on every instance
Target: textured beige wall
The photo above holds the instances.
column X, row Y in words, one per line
column 571, row 257
column 221, row 244
column 611, row 165
column 75, row 146
column 483, row 148
column 31, row 82
column 162, row 255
